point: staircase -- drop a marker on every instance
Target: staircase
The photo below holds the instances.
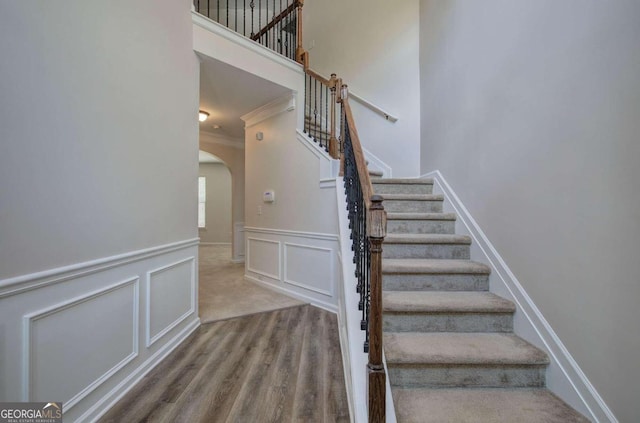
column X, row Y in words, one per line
column 449, row 344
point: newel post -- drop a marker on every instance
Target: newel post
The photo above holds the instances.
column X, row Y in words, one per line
column 299, row 48
column 377, row 227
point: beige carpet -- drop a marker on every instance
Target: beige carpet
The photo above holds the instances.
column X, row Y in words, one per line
column 223, row 292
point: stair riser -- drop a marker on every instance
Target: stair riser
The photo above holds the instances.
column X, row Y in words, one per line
column 447, row 322
column 413, row 206
column 460, row 376
column 421, row 226
column 429, row 251
column 403, row 188
column 439, row 282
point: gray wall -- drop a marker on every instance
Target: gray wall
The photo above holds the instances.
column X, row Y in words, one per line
column 218, row 206
column 531, row 111
column 98, row 130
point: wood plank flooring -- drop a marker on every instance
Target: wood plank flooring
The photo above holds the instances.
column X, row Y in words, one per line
column 279, row 366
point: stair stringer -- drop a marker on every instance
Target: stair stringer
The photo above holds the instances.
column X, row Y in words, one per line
column 564, row 377
column 351, row 336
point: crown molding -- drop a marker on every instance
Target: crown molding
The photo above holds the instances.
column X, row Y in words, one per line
column 286, row 103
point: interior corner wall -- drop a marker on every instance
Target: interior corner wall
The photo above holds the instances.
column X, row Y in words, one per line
column 292, row 242
column 531, row 111
column 98, row 197
column 373, row 46
column 218, row 228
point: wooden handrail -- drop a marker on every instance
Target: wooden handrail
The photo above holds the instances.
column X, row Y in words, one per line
column 275, row 21
column 361, row 162
column 319, row 77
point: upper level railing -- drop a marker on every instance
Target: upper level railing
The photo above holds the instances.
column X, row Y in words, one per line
column 329, row 121
column 276, row 24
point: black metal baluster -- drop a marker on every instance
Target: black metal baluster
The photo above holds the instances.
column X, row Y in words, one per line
column 259, row 15
column 315, row 108
column 305, row 128
column 235, row 17
column 252, row 5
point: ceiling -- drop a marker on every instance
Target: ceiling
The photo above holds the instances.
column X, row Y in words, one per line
column 204, row 157
column 227, row 93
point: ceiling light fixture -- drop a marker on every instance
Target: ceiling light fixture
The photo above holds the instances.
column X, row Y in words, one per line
column 202, row 115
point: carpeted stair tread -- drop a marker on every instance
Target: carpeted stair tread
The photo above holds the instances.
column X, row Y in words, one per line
column 444, row 302
column 376, row 173
column 395, row 238
column 421, row 216
column 446, row 348
column 412, row 197
column 434, row 266
column 407, row 181
column 482, row 406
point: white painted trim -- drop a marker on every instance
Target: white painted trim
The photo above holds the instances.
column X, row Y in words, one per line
column 149, row 340
column 299, row 234
column 260, row 272
column 286, row 103
column 238, row 261
column 28, row 320
column 20, row 284
column 313, row 146
column 98, row 409
column 293, row 294
column 221, row 140
column 351, row 346
column 216, row 243
column 285, row 278
column 388, row 116
column 329, row 167
column 582, row 389
column 378, row 164
column 224, row 32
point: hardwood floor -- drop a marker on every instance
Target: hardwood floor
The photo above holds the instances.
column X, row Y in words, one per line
column 279, row 366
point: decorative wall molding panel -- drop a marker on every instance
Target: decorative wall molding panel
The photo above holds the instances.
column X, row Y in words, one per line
column 298, row 264
column 169, row 303
column 75, row 330
column 55, row 344
column 564, row 376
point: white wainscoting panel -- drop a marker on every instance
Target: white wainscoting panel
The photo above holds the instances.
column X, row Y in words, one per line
column 56, row 347
column 71, row 334
column 299, row 264
column 263, row 257
column 171, row 297
column 307, row 267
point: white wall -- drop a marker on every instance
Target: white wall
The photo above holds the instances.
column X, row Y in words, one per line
column 97, row 189
column 531, row 112
column 292, row 243
column 373, row 46
column 218, row 227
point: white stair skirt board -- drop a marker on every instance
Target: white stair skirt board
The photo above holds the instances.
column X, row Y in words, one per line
column 564, row 376
column 375, row 163
column 329, row 167
column 352, row 340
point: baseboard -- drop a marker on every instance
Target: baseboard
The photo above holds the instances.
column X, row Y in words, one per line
column 290, row 293
column 216, row 243
column 565, row 377
column 238, row 260
column 103, row 405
